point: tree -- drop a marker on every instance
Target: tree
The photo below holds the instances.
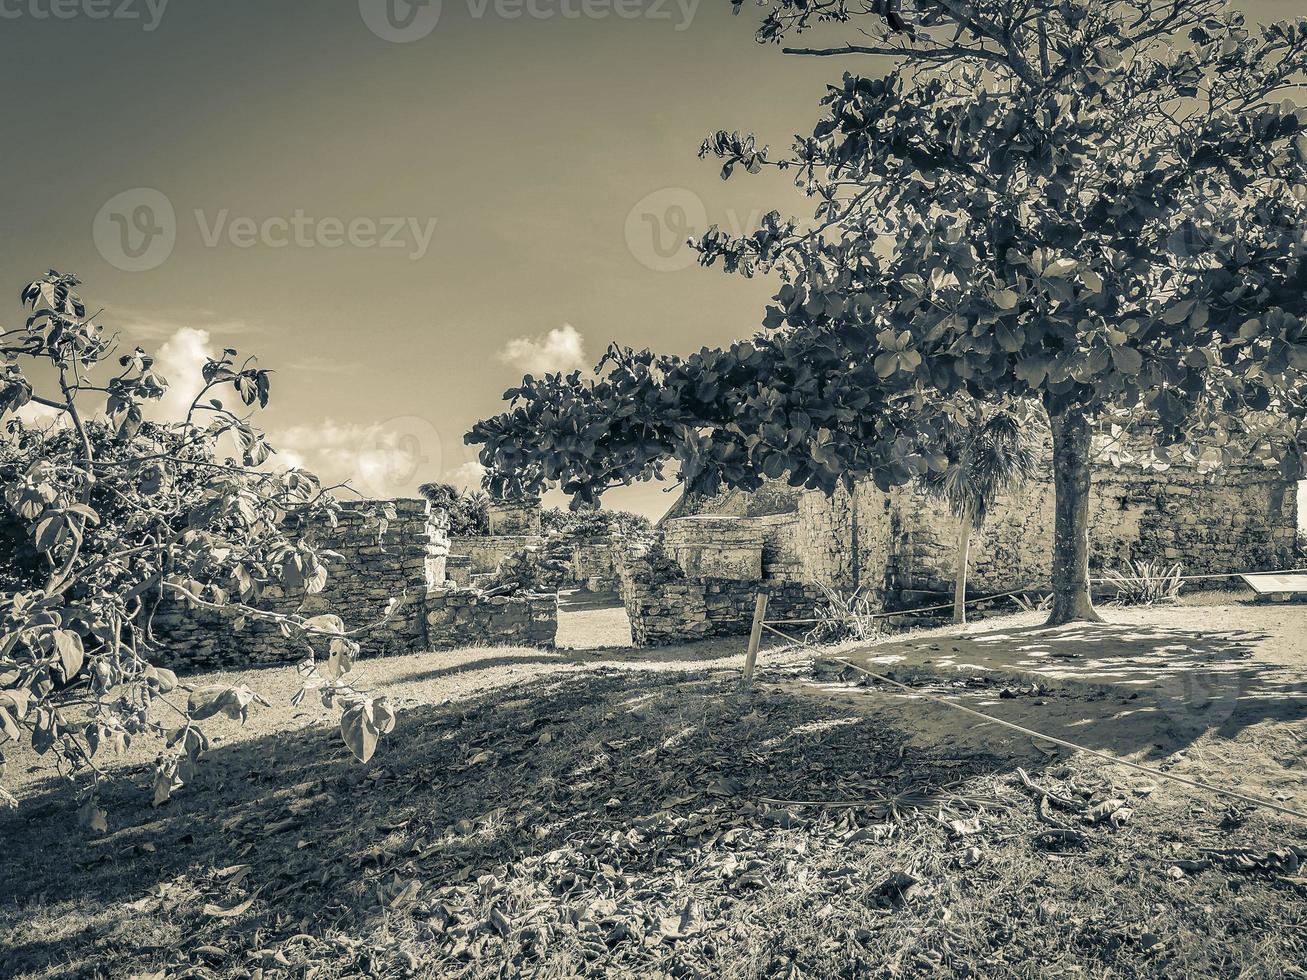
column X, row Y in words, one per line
column 1093, row 206
column 988, row 456
column 107, row 514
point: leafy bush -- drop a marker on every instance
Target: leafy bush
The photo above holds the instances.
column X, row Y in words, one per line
column 845, row 616
column 593, row 523
column 467, row 515
column 105, row 515
column 1145, row 583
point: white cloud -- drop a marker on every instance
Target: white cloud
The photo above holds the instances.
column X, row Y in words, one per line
column 137, row 327
column 390, row 459
column 466, row 477
column 36, row 416
column 180, row 359
column 561, row 349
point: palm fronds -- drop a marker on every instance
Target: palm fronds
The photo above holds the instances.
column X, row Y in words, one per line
column 1146, row 583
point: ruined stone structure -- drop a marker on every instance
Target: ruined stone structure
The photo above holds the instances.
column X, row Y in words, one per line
column 900, row 546
column 570, row 561
column 408, row 562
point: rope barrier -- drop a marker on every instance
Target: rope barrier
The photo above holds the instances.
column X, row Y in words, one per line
column 1156, row 773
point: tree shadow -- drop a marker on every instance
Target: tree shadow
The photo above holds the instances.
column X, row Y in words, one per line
column 1143, row 687
column 652, row 764
column 472, row 659
column 580, row 600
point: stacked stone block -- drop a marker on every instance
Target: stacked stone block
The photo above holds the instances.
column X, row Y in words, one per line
column 373, row 568
column 460, row 617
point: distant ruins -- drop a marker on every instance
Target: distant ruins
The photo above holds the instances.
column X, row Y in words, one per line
column 900, row 546
column 698, row 574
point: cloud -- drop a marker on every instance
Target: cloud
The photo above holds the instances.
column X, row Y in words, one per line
column 137, row 327
column 36, row 416
column 466, row 477
column 561, row 349
column 180, row 359
column 390, row 459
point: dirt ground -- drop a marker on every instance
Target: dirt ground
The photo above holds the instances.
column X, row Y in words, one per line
column 1216, row 688
column 618, row 812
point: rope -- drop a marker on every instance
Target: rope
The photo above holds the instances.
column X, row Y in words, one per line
column 1015, row 592
column 1157, row 773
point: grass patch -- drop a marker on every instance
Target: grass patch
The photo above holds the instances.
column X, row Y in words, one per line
column 610, row 820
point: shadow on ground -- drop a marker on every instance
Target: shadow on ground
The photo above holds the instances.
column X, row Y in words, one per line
column 612, row 820
column 606, row 770
column 1143, row 687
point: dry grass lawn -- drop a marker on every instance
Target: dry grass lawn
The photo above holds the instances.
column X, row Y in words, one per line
column 628, row 813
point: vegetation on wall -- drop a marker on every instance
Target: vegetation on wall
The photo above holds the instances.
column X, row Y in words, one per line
column 466, row 513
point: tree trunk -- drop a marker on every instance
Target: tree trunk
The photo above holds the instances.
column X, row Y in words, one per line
column 960, row 582
column 1072, row 602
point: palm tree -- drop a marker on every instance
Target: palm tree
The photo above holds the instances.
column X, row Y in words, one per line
column 987, row 455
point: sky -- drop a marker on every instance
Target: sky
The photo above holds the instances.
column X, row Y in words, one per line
column 399, row 208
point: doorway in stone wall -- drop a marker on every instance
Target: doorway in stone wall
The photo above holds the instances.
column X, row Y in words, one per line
column 592, row 620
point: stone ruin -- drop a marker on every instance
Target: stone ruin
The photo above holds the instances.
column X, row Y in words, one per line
column 899, row 547
column 408, row 561
column 517, row 549
column 699, row 573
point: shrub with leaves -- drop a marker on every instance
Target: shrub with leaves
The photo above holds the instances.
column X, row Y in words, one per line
column 594, row 523
column 465, row 514
column 1146, row 583
column 105, row 515
column 845, row 616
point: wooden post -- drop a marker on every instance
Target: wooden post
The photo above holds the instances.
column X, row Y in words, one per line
column 755, row 638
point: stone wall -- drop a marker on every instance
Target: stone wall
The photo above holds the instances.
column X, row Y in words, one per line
column 588, row 562
column 713, row 546
column 487, row 552
column 667, row 607
column 372, row 569
column 459, row 617
column 514, row 518
column 1241, row 518
column 409, row 562
column 665, row 604
column 595, row 562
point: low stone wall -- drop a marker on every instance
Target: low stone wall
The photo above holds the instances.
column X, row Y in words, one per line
column 409, row 561
column 458, row 617
column 485, row 553
column 667, row 606
column 372, row 569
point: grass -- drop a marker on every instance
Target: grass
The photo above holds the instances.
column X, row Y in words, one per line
column 556, row 815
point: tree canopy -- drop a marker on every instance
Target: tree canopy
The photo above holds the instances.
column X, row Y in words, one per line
column 1092, row 205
